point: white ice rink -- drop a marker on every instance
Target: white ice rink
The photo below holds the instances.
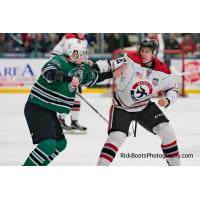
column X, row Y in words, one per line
column 83, row 150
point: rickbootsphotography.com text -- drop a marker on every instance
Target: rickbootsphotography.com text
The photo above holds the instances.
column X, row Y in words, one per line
column 150, row 155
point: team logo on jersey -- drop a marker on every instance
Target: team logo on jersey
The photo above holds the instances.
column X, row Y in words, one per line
column 141, row 90
column 78, row 73
column 155, row 81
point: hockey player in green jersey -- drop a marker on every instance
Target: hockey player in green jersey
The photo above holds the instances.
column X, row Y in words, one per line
column 54, row 91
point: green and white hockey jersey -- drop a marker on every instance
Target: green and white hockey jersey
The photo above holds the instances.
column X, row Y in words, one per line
column 59, row 96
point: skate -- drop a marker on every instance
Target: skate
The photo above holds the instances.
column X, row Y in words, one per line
column 76, row 128
column 63, row 124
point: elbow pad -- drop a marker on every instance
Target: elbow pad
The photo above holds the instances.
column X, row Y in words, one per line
column 57, row 76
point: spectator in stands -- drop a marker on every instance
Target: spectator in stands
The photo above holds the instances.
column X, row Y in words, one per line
column 187, row 45
column 52, row 41
column 3, row 43
column 171, row 42
column 198, row 43
column 15, row 43
column 38, row 43
column 92, row 39
column 116, row 41
column 27, row 39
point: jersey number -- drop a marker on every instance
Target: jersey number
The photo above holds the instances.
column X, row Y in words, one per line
column 119, row 60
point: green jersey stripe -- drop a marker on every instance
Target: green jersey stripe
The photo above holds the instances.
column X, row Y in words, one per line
column 54, row 93
column 51, row 97
column 48, row 68
column 42, row 98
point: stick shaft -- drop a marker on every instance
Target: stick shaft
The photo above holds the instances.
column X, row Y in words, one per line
column 92, row 107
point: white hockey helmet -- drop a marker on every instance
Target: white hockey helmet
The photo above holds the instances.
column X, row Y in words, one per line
column 73, row 44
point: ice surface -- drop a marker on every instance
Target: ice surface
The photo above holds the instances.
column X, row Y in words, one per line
column 83, row 150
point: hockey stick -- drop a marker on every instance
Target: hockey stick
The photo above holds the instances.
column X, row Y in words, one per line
column 92, row 107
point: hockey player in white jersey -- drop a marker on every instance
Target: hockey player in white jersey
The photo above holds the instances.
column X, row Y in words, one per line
column 144, row 77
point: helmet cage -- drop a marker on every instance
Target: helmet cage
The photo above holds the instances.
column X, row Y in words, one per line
column 75, row 45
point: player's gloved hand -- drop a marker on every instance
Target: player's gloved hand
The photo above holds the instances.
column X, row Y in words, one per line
column 110, row 65
column 119, row 71
column 75, row 82
column 115, row 64
column 89, row 62
column 163, row 102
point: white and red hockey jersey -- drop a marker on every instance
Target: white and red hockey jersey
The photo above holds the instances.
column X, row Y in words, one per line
column 138, row 84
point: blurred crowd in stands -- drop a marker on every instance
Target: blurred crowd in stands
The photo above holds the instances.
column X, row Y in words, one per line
column 37, row 44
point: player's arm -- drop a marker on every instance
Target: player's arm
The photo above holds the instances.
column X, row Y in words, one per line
column 56, row 75
column 109, row 65
column 94, row 76
column 51, row 73
column 170, row 89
